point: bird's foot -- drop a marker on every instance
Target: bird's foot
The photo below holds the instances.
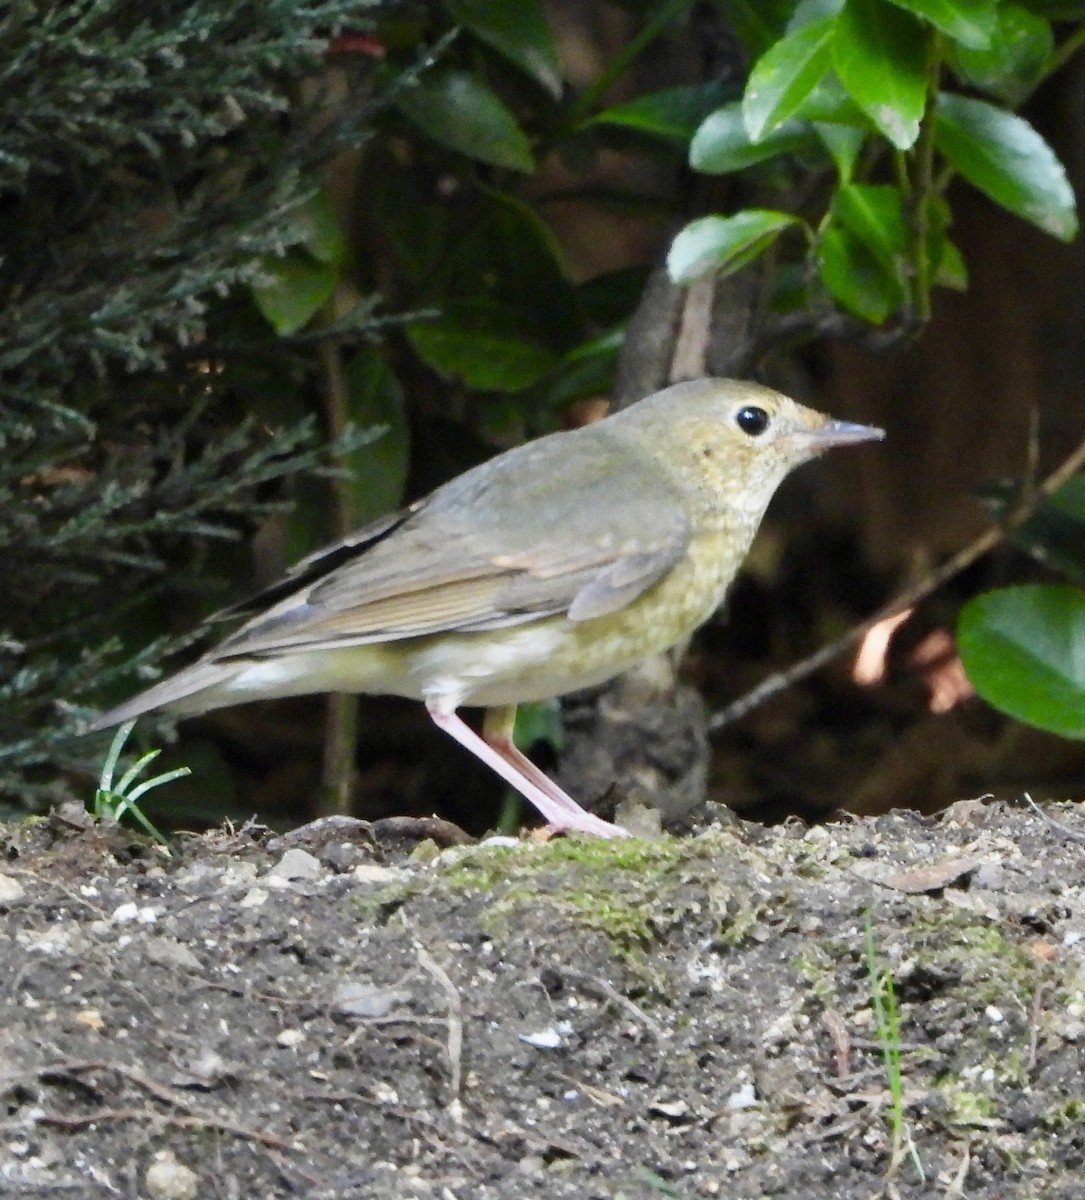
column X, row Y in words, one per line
column 585, row 822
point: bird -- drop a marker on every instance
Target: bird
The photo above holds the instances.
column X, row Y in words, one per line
column 552, row 567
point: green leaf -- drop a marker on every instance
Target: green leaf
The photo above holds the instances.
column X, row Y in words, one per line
column 1002, row 155
column 829, row 102
column 951, row 271
column 721, row 245
column 758, row 24
column 785, row 75
column 844, row 143
column 1023, row 649
column 855, row 278
column 1058, row 10
column 587, row 370
column 970, row 22
column 808, row 11
column 879, row 54
column 1070, row 498
column 516, row 29
column 947, row 263
column 510, row 259
column 608, row 298
column 1055, row 533
column 539, row 721
column 458, row 110
column 722, row 144
column 321, row 232
column 1016, row 59
column 672, row 113
column 481, row 345
column 874, row 214
column 378, row 469
column 294, row 288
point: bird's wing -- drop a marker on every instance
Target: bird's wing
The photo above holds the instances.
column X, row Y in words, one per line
column 499, row 546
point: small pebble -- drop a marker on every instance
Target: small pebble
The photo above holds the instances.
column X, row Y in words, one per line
column 168, row 1179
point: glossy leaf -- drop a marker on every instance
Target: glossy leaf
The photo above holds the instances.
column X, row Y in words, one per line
column 879, row 54
column 1003, row 155
column 947, row 264
column 1070, row 498
column 785, row 75
column 509, row 259
column 874, row 214
column 458, row 110
column 808, row 11
column 517, row 30
column 759, row 23
column 844, row 144
column 721, row 245
column 378, row 469
column 587, row 370
column 293, row 288
column 482, row 346
column 950, row 269
column 970, row 22
column 1055, row 533
column 1016, row 59
column 539, row 721
column 722, row 143
column 322, row 234
column 1023, row 649
column 1059, row 10
column 828, row 102
column 672, row 113
column 855, row 277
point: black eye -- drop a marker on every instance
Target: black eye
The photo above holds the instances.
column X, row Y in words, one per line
column 752, row 420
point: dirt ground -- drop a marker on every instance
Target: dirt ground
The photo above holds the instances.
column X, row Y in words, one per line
column 378, row 1011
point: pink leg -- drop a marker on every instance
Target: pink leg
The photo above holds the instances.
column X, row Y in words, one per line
column 558, row 808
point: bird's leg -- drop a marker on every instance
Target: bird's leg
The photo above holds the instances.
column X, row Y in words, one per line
column 497, row 730
column 558, row 808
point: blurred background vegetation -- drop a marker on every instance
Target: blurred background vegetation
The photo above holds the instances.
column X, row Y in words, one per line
column 270, row 269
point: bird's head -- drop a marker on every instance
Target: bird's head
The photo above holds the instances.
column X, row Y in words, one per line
column 735, row 441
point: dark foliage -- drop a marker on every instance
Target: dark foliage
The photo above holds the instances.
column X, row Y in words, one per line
column 150, row 158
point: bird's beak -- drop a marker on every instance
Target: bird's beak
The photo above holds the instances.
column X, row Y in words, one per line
column 834, row 433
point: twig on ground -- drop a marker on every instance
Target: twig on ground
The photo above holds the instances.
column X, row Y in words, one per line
column 1073, row 834
column 192, row 1119
column 838, row 1031
column 1034, row 1028
column 455, row 1024
column 609, row 992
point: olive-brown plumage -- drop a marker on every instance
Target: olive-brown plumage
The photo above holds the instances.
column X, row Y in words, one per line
column 552, row 567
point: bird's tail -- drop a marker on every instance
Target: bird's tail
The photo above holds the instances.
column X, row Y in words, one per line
column 194, row 690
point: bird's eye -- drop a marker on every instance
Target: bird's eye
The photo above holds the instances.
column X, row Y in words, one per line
column 752, row 420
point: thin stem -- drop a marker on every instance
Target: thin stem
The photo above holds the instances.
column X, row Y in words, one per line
column 341, row 714
column 587, row 100
column 921, row 190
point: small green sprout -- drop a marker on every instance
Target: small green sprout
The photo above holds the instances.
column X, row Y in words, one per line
column 887, row 1022
column 115, row 800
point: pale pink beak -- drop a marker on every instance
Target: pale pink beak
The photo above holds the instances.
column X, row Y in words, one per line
column 836, row 433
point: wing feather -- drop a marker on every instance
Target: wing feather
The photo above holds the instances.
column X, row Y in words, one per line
column 472, row 557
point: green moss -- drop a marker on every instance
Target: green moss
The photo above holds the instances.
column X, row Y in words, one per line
column 993, row 969
column 625, row 890
column 967, row 1107
column 630, row 891
column 1067, row 1115
column 815, row 965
